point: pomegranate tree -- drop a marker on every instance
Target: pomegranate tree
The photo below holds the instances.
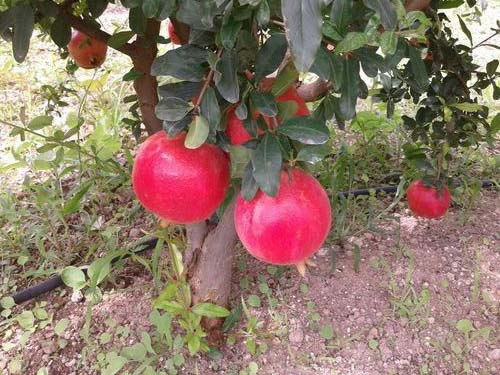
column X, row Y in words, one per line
column 252, row 57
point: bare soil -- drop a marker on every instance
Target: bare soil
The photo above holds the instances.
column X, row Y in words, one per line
column 456, row 263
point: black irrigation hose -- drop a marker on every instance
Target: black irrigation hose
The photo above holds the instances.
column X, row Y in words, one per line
column 56, row 281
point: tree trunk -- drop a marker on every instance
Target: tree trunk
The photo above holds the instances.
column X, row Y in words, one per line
column 146, row 86
column 211, row 266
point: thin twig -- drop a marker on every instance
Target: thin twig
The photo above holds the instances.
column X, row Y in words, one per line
column 210, row 76
column 485, row 40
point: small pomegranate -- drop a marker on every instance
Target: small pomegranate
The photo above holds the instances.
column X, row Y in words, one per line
column 87, row 52
column 174, row 38
column 178, row 184
column 412, row 5
column 287, row 228
column 235, row 130
column 427, row 201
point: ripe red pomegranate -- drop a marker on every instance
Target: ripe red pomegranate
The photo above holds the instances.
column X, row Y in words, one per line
column 178, row 184
column 427, row 201
column 287, row 228
column 174, row 38
column 87, row 52
column 422, row 5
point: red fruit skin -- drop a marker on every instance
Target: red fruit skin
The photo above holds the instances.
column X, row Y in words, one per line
column 174, row 38
column 87, row 52
column 287, row 228
column 425, row 201
column 292, row 94
column 235, row 130
column 178, row 184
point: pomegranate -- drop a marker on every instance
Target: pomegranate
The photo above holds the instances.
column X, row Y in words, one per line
column 287, row 228
column 427, row 201
column 178, row 184
column 87, row 52
column 235, row 130
column 422, row 5
column 174, row 38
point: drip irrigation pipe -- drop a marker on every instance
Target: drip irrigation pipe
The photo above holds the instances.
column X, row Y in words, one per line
column 56, row 281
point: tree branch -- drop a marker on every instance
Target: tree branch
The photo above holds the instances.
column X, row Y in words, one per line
column 311, row 92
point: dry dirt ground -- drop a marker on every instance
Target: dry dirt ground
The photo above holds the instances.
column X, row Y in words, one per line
column 398, row 315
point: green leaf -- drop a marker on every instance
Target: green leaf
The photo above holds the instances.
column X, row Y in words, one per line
column 306, row 130
column 418, row 69
column 233, row 318
column 167, row 7
column 287, row 109
column 468, row 107
column 465, row 29
column 198, row 133
column 136, row 20
column 6, row 20
column 120, row 38
column 150, row 7
column 209, row 108
column 196, row 14
column 285, row 79
column 254, row 300
column 263, row 13
column 349, row 90
column 264, row 102
column 327, row 332
column 386, row 10
column 193, row 344
column 184, row 90
column 7, row 302
column 351, row 42
column 341, row 15
column 24, row 22
column 229, row 33
column 226, row 78
column 389, row 42
column 184, row 63
column 266, row 161
column 136, row 352
column 40, row 122
column 210, row 310
column 98, row 270
column 73, row 277
column 465, row 326
column 373, row 344
column 313, row 154
column 303, row 22
column 270, row 55
column 97, row 7
column 491, row 67
column 61, row 326
column 115, row 363
column 60, row 32
column 330, row 31
column 26, row 319
column 249, row 186
column 172, row 109
column 73, row 204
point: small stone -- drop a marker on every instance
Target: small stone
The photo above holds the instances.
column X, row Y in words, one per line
column 494, row 355
column 76, row 296
column 431, row 320
column 134, row 233
column 373, row 333
column 49, row 348
column 296, row 336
